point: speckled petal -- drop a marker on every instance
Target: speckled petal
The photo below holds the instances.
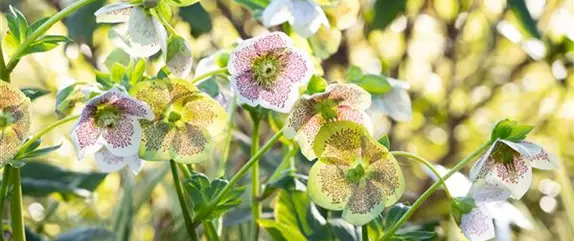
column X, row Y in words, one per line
column 159, row 93
column 191, row 144
column 144, row 34
column 540, row 158
column 241, row 58
column 247, row 90
column 488, row 191
column 206, row 113
column 385, row 173
column 327, row 185
column 366, row 203
column 477, row 167
column 340, row 139
column 85, row 134
column 272, row 42
column 108, row 162
column 298, row 67
column 517, row 180
column 114, row 13
column 124, row 138
column 178, row 57
column 350, row 95
column 477, row 225
column 130, row 106
column 306, row 137
column 281, row 97
column 303, row 111
column 157, row 138
column 9, row 144
column 11, row 96
column 21, row 115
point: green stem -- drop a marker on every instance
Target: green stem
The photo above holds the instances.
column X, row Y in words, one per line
column 365, row 232
column 429, row 165
column 256, row 207
column 432, row 189
column 184, row 208
column 18, row 233
column 197, row 80
column 43, row 132
column 210, row 231
column 42, row 29
column 211, row 206
column 3, row 189
column 228, row 137
column 4, row 73
column 165, row 23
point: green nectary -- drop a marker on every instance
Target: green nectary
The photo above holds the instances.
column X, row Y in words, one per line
column 107, row 116
column 266, row 69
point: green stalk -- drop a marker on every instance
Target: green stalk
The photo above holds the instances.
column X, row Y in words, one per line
column 427, row 164
column 256, row 207
column 184, row 208
column 197, row 80
column 42, row 29
column 432, row 189
column 204, row 212
column 43, row 132
column 3, row 189
column 365, row 232
column 210, row 231
column 4, row 73
column 18, row 232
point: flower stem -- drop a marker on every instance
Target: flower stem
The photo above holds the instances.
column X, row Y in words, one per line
column 256, row 207
column 42, row 29
column 197, row 80
column 4, row 73
column 210, row 231
column 43, row 132
column 18, row 233
column 429, row 165
column 365, row 232
column 204, row 212
column 184, row 208
column 3, row 189
column 389, row 233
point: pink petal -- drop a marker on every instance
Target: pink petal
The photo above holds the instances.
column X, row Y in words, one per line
column 360, row 117
column 302, row 112
column 517, row 180
column 297, row 67
column 246, row 87
column 123, row 139
column 350, row 95
column 108, row 162
column 477, row 225
column 85, row 134
column 241, row 58
column 272, row 41
column 281, row 97
column 134, row 108
column 307, row 134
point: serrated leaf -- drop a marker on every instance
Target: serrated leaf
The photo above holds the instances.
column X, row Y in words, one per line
column 46, row 43
column 34, row 93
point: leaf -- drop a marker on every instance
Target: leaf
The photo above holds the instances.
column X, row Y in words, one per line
column 202, row 192
column 294, row 209
column 105, row 80
column 316, row 85
column 415, row 235
column 34, row 93
column 384, row 140
column 198, row 19
column 354, row 74
column 182, row 3
column 137, row 72
column 510, row 130
column 385, row 11
column 117, row 56
column 87, row 234
column 254, row 5
column 394, row 213
column 46, row 43
column 68, row 97
column 34, row 26
column 17, row 24
column 40, row 152
column 518, row 8
column 164, row 10
column 375, row 84
column 281, row 232
column 41, row 179
column 344, row 230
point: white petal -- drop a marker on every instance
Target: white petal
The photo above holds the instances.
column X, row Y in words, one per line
column 509, row 213
column 396, row 103
column 503, row 230
column 108, row 162
column 277, row 12
column 477, row 225
column 483, row 191
column 540, row 158
column 161, row 35
column 114, row 13
column 307, row 17
column 518, row 181
column 475, row 170
column 124, row 139
column 457, row 184
column 145, row 34
column 518, row 147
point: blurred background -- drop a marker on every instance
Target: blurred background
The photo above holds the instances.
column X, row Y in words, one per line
column 469, row 64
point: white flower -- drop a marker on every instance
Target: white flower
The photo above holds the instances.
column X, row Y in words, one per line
column 396, row 103
column 304, row 15
column 109, row 126
column 478, row 224
column 141, row 36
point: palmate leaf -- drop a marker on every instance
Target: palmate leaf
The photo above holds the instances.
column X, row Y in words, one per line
column 201, row 192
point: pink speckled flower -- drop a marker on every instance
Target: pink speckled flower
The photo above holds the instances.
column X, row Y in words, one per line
column 109, row 125
column 339, row 102
column 508, row 166
column 267, row 70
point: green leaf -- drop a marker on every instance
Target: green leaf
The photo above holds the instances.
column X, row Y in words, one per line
column 34, row 26
column 182, row 3
column 68, row 97
column 354, row 74
column 137, row 72
column 87, row 234
column 117, row 56
column 34, row 93
column 294, row 209
column 460, row 206
column 385, row 11
column 117, row 72
column 202, row 192
column 375, row 84
column 281, row 232
column 46, row 43
column 254, row 5
column 17, row 24
column 316, row 85
column 198, row 19
column 394, row 213
column 384, row 140
column 105, row 80
column 518, row 8
column 164, row 10
column 40, row 152
column 42, row 179
column 510, row 130
column 415, row 235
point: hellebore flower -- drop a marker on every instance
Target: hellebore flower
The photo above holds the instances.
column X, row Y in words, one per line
column 186, row 125
column 304, row 15
column 266, row 71
column 142, row 36
column 338, row 102
column 354, row 173
column 109, row 125
column 508, row 165
column 14, row 121
column 396, row 103
column 477, row 225
column 178, row 56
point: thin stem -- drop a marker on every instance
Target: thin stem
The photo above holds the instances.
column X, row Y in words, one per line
column 432, row 189
column 204, row 212
column 43, row 132
column 228, row 137
column 164, row 21
column 256, row 207
column 4, row 73
column 365, row 232
column 185, row 170
column 3, row 189
column 197, row 80
column 18, row 232
column 42, row 29
column 210, row 231
column 429, row 165
column 184, row 208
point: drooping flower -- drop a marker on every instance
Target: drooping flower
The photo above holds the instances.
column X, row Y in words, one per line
column 142, row 36
column 354, row 173
column 109, row 126
column 311, row 112
column 304, row 15
column 508, row 165
column 478, row 224
column 178, row 56
column 396, row 103
column 186, row 125
column 267, row 70
column 14, row 121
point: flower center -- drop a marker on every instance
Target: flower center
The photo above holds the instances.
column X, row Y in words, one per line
column 107, row 116
column 505, row 155
column 5, row 120
column 357, row 173
column 266, row 69
column 327, row 108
